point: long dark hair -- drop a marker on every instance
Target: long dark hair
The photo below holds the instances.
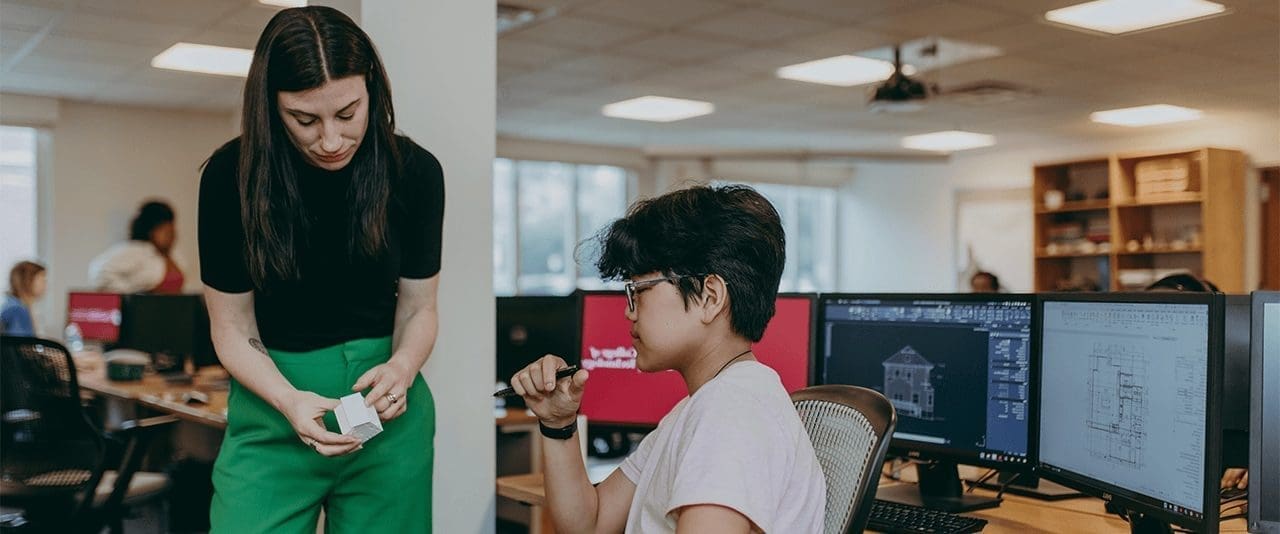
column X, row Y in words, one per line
column 300, row 49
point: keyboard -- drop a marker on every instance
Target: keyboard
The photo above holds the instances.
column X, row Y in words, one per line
column 895, row 518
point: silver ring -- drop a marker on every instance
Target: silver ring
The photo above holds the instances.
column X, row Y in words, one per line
column 392, row 397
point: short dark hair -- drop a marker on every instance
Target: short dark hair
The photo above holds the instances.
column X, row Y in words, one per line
column 150, row 215
column 1183, row 282
column 995, row 280
column 731, row 231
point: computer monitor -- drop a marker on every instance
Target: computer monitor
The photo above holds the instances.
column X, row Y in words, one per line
column 96, row 314
column 618, row 394
column 1129, row 402
column 1264, row 430
column 1235, row 381
column 530, row 327
column 958, row 370
column 170, row 327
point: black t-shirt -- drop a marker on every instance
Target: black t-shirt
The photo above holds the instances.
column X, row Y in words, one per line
column 335, row 298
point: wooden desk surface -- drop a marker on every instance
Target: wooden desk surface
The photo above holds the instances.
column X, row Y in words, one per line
column 154, row 392
column 1015, row 514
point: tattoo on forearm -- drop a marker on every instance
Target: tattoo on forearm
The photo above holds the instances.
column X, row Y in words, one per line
column 259, row 346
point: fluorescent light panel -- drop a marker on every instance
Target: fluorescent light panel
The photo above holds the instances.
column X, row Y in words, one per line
column 841, row 71
column 1146, row 115
column 207, row 59
column 284, row 3
column 1124, row 16
column 948, row 141
column 658, row 109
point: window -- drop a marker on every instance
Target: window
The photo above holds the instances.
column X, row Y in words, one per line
column 542, row 211
column 17, row 196
column 809, row 219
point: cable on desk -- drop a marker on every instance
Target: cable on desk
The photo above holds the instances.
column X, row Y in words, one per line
column 970, row 484
column 1007, row 483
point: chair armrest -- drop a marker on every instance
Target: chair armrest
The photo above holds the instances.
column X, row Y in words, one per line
column 137, row 435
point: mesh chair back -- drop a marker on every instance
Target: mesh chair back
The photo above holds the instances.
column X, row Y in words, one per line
column 47, row 444
column 850, row 428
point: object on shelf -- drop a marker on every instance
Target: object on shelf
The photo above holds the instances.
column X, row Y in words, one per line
column 1178, row 244
column 1053, row 199
column 1077, row 283
column 1133, row 245
column 1104, row 247
column 1098, row 230
column 1148, row 242
column 1087, row 247
column 1164, row 176
column 1076, row 195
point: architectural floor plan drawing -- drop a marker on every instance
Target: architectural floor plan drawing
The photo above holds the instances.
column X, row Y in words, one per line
column 1118, row 396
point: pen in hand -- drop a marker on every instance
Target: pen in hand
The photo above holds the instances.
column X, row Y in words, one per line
column 563, row 373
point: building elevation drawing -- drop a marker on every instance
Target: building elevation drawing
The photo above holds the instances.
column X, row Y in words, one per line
column 906, row 383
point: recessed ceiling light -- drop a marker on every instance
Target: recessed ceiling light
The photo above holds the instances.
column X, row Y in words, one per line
column 207, row 59
column 1146, row 115
column 284, row 3
column 842, row 71
column 948, row 141
column 1123, row 16
column 658, row 109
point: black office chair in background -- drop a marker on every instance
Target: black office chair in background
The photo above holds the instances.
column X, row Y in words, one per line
column 52, row 458
column 850, row 428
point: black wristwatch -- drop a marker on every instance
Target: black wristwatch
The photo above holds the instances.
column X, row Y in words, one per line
column 558, row 433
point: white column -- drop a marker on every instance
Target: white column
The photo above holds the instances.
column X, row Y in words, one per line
column 440, row 56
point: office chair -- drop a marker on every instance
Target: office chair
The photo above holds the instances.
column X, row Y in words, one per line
column 52, row 458
column 850, row 428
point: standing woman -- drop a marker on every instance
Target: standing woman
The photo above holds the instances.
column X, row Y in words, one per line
column 320, row 251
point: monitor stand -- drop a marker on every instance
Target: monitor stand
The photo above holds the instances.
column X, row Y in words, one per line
column 939, row 489
column 1028, row 485
column 1143, row 524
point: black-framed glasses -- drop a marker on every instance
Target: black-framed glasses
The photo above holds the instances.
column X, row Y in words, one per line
column 631, row 288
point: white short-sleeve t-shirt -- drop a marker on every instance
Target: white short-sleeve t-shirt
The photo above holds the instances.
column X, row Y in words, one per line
column 738, row 443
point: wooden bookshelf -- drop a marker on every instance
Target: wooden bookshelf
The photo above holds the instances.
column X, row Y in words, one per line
column 1104, row 222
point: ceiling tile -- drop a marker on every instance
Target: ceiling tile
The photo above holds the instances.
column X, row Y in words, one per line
column 1193, row 35
column 26, row 15
column 606, row 67
column 578, row 33
column 655, row 14
column 677, row 48
column 252, row 18
column 944, row 20
column 838, row 42
column 88, row 50
column 759, row 26
column 194, row 13
column 82, row 71
column 517, row 51
column 93, row 27
column 763, row 61
column 844, row 11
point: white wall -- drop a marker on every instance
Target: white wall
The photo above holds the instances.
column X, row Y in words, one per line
column 441, row 57
column 102, row 162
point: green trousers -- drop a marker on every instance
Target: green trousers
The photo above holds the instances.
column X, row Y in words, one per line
column 266, row 480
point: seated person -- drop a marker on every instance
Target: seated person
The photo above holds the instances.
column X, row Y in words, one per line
column 1232, row 477
column 26, row 285
column 702, row 267
column 145, row 263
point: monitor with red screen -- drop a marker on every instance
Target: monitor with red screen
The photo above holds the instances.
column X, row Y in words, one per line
column 96, row 314
column 617, row 393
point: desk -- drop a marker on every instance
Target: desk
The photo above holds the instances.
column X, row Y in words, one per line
column 1015, row 515
column 155, row 393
